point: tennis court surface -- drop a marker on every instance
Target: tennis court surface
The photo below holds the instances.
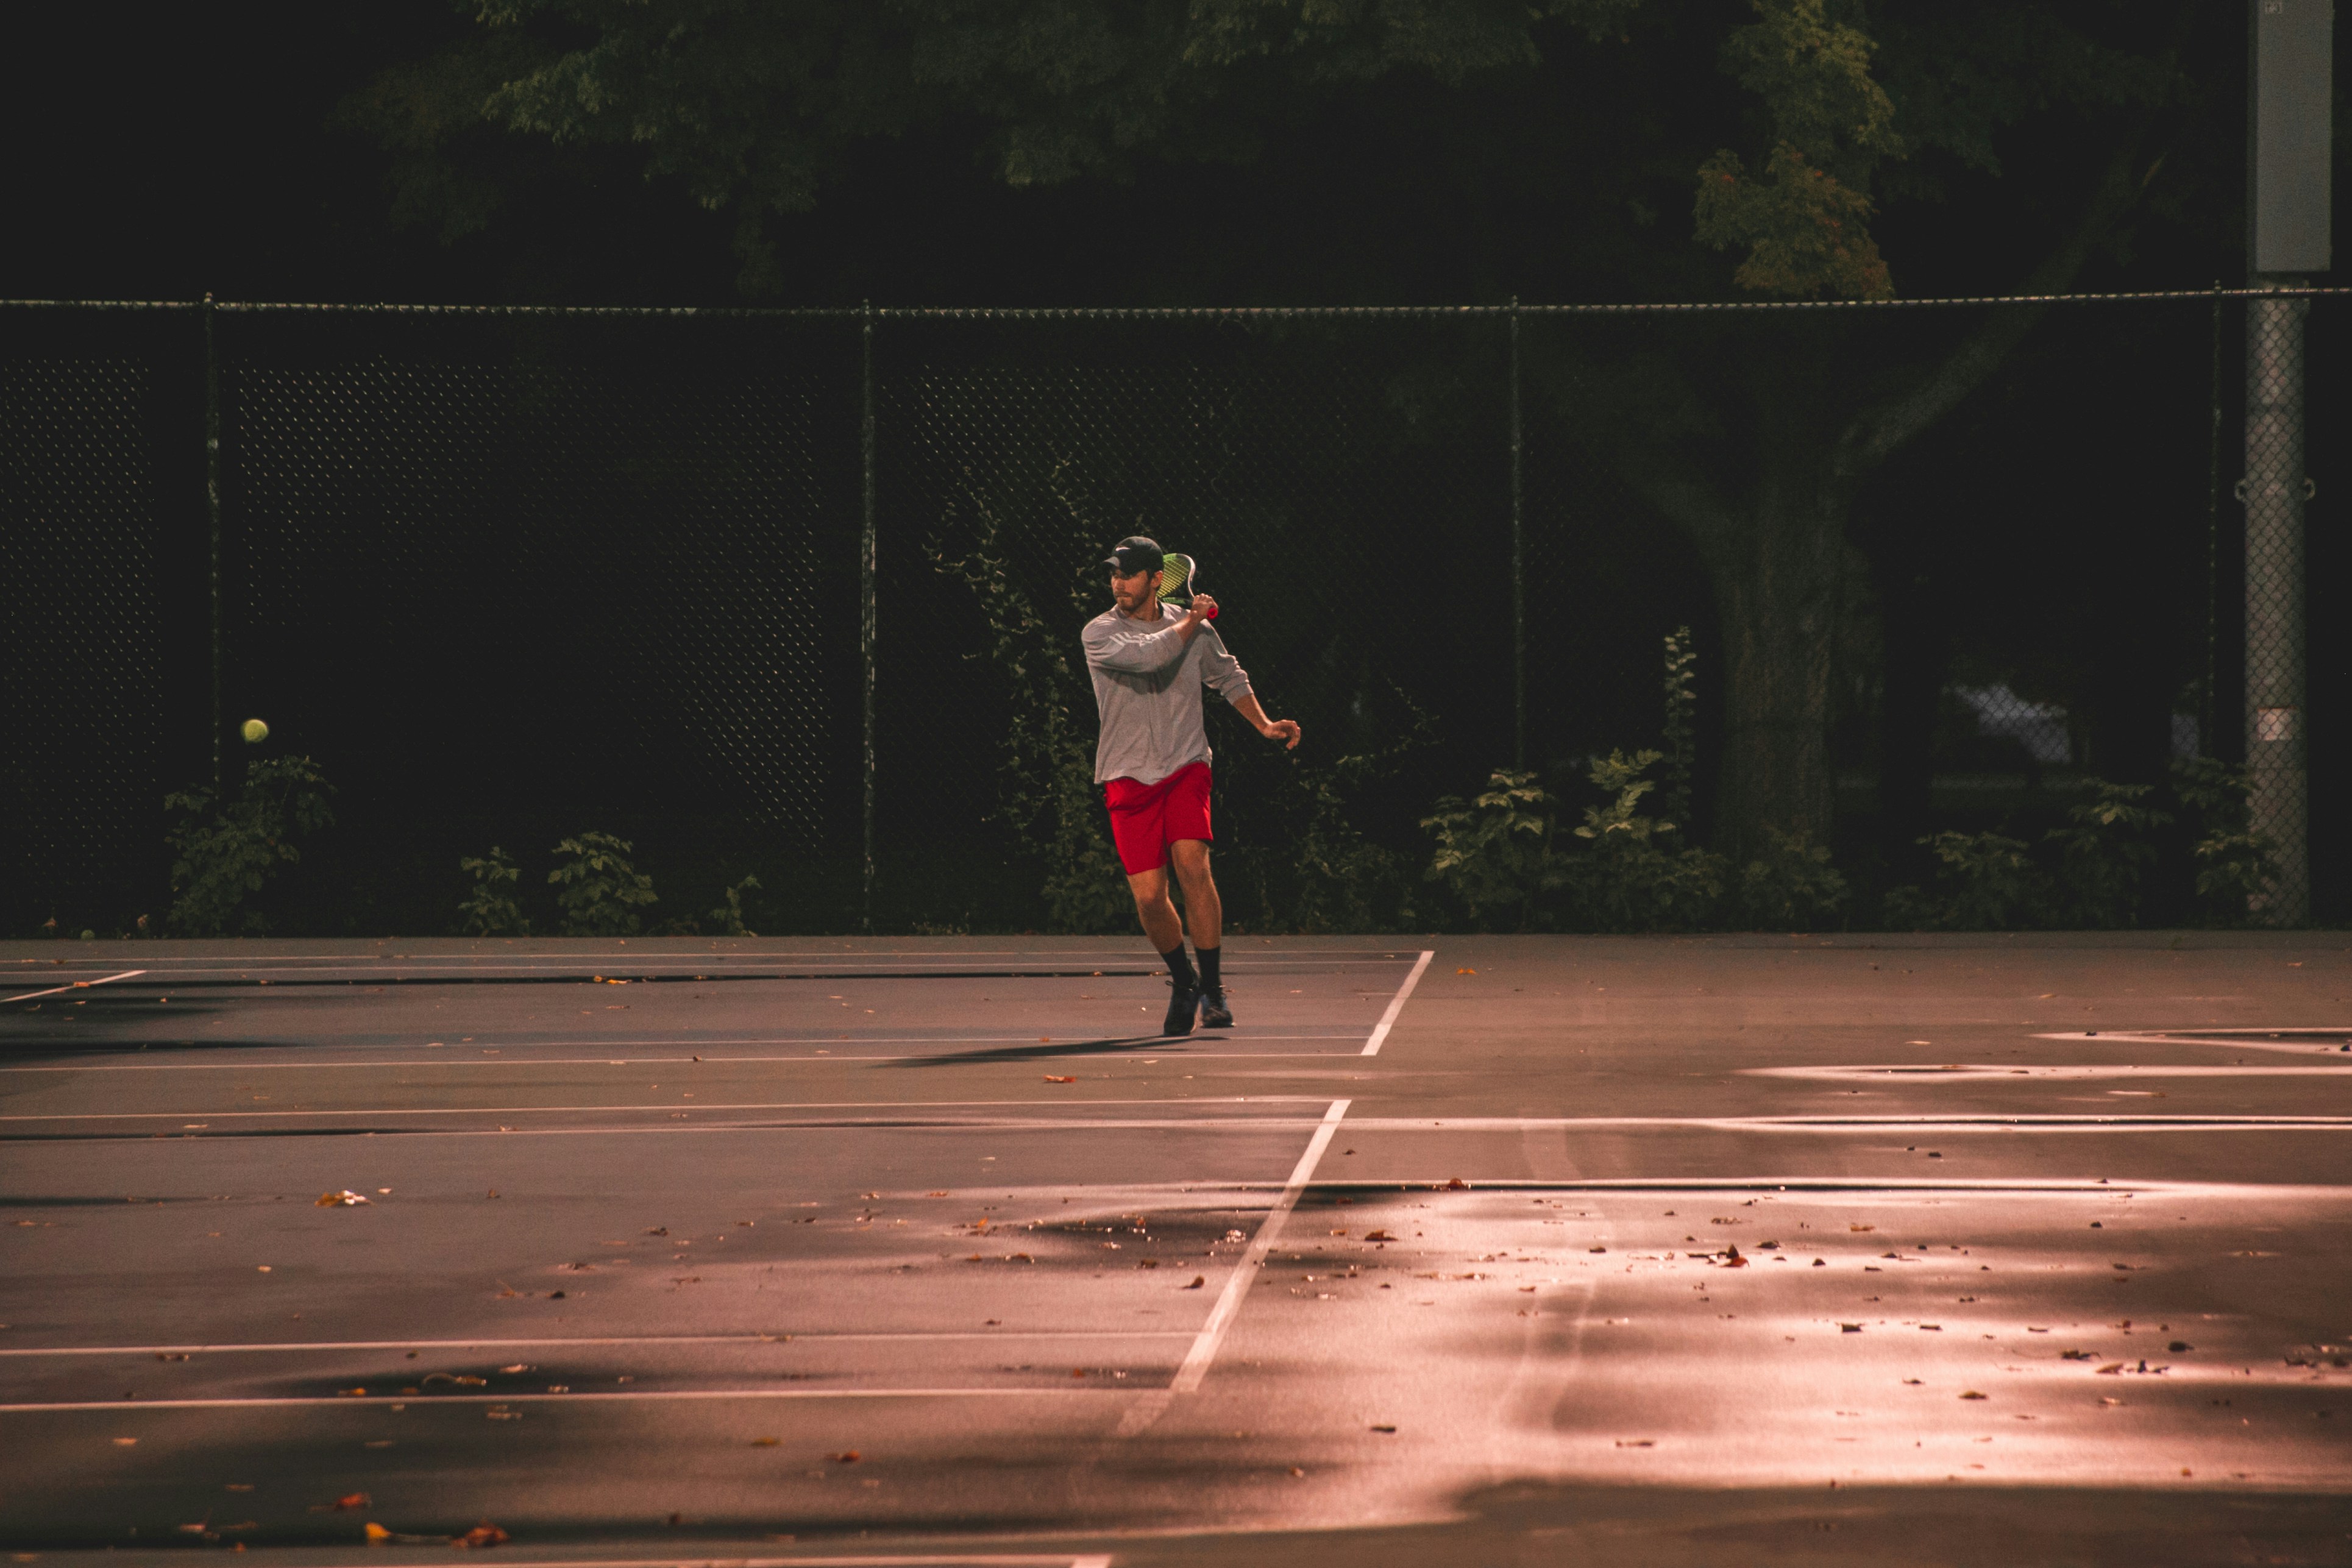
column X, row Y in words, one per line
column 1505, row 1250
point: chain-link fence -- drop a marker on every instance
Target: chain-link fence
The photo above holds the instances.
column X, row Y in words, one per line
column 703, row 579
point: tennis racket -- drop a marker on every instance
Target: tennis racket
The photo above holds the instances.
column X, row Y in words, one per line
column 1176, row 574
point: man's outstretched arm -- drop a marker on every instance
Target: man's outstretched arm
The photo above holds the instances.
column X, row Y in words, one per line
column 1283, row 729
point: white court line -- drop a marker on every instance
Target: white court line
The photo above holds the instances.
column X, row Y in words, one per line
column 672, row 1106
column 2120, row 1122
column 1978, row 1072
column 590, row 1397
column 1396, row 1004
column 1195, row 1366
column 620, row 1342
column 959, row 1560
column 73, row 986
column 251, row 1064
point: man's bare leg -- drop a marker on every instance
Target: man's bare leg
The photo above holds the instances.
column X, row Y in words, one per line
column 1206, row 913
column 1161, row 928
column 1166, row 932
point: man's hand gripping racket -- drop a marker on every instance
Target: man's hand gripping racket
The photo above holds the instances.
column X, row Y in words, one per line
column 1177, row 576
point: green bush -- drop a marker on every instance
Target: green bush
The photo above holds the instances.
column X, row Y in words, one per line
column 491, row 909
column 1636, row 874
column 229, row 850
column 726, row 920
column 601, row 893
column 1495, row 850
column 1984, row 881
column 2234, row 865
column 2106, row 853
column 1791, row 886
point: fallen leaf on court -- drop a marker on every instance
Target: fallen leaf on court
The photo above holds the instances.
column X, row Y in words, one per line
column 1862, row 1227
column 1457, row 1185
column 1339, row 1233
column 765, row 1442
column 1056, row 1078
column 377, row 1534
column 352, row 1499
column 1911, row 1383
column 344, row 1198
column 848, row 1457
column 518, row 1366
column 1637, row 1442
column 1466, row 971
column 2073, row 1356
column 1972, row 1393
column 1383, row 1428
column 2113, row 1369
column 1596, row 1249
column 1077, row 1371
column 483, row 1534
column 1849, row 1328
column 350, row 1393
column 658, row 1231
column 1198, row 1281
column 1818, row 1262
column 1296, row 1471
column 1377, row 1235
column 935, row 1195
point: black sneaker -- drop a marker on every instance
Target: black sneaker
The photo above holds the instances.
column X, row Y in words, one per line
column 1214, row 1014
column 1182, row 1003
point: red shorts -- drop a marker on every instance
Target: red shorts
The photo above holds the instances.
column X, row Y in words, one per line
column 1145, row 819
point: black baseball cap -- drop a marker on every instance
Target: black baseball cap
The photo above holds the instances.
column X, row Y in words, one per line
column 1135, row 553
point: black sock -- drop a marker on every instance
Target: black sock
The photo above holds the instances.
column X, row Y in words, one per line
column 1210, row 957
column 1181, row 967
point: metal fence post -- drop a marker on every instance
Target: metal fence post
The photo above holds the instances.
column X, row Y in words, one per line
column 2209, row 716
column 865, row 616
column 213, row 525
column 2274, row 490
column 1518, row 567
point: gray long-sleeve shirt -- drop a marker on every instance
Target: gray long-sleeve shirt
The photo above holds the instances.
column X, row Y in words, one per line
column 1148, row 683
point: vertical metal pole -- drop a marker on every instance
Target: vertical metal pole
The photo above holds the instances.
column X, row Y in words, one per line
column 1518, row 566
column 213, row 523
column 865, row 616
column 2275, row 492
column 2208, row 719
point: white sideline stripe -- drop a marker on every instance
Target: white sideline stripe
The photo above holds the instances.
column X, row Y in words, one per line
column 1974, row 1072
column 1195, row 1366
column 2124, row 1122
column 1396, row 1004
column 627, row 965
column 959, row 1560
column 251, row 1065
column 620, row 1342
column 72, row 985
column 593, row 1397
column 2302, row 1041
column 672, row 1106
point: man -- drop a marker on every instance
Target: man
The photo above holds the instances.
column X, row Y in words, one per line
column 1152, row 762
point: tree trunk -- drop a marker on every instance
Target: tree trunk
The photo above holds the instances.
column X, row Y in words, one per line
column 1777, row 592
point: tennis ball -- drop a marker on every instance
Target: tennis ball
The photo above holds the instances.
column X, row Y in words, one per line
column 254, row 731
